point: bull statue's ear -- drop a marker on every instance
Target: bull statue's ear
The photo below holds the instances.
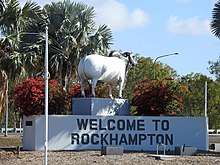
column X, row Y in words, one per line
column 126, row 54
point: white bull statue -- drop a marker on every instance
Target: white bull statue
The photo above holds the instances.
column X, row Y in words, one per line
column 111, row 70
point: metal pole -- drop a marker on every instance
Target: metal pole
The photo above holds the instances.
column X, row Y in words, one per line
column 46, row 96
column 206, row 98
column 6, row 113
column 154, row 65
column 20, row 125
column 206, row 108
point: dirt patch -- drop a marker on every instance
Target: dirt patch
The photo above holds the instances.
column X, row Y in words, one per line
column 11, row 140
column 12, row 157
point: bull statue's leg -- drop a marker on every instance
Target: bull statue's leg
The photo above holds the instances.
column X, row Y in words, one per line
column 120, row 89
column 93, row 84
column 110, row 91
column 120, row 92
column 82, row 84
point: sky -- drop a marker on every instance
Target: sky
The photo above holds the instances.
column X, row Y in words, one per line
column 153, row 28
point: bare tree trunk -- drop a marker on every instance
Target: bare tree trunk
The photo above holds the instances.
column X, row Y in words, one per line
column 3, row 91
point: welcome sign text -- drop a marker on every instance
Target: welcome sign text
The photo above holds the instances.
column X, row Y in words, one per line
column 122, row 132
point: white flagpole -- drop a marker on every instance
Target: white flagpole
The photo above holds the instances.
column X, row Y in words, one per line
column 46, row 96
column 206, row 116
column 6, row 112
column 206, row 98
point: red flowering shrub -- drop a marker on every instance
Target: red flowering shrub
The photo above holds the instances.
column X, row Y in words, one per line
column 75, row 91
column 158, row 98
column 101, row 90
column 29, row 97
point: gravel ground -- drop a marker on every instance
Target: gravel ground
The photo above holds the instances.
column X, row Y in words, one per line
column 11, row 157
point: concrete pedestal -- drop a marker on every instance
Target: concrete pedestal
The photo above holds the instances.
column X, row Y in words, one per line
column 187, row 150
column 100, row 107
column 112, row 150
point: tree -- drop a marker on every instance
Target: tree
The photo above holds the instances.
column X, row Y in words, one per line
column 14, row 61
column 13, row 21
column 213, row 105
column 195, row 100
column 145, row 70
column 215, row 28
column 215, row 68
column 72, row 35
column 2, row 6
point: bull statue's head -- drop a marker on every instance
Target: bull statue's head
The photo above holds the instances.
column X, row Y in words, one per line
column 132, row 58
column 118, row 53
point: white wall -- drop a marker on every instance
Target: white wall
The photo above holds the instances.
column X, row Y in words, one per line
column 82, row 132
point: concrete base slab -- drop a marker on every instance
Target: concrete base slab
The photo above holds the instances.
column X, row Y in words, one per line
column 112, row 150
column 162, row 157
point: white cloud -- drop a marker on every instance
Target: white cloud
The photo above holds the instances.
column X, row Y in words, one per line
column 116, row 15
column 139, row 18
column 191, row 26
column 112, row 13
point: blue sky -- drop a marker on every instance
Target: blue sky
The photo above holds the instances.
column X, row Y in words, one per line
column 154, row 28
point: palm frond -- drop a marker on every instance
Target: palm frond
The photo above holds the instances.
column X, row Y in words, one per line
column 9, row 17
column 29, row 15
column 215, row 23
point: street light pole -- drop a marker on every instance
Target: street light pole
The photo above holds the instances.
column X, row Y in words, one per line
column 206, row 98
column 46, row 96
column 46, row 77
column 154, row 65
column 6, row 112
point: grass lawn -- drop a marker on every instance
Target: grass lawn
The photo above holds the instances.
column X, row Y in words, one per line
column 10, row 141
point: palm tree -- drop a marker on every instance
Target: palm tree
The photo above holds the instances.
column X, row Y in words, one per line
column 72, row 35
column 215, row 23
column 2, row 6
column 13, row 21
column 14, row 60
